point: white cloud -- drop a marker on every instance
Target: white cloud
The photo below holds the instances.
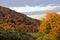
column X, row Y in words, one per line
column 33, row 8
column 37, row 16
column 58, row 12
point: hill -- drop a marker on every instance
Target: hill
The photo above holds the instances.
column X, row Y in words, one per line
column 10, row 19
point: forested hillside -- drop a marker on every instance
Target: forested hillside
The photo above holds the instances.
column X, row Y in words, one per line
column 16, row 21
column 18, row 26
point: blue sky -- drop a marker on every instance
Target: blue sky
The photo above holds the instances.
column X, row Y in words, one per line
column 32, row 8
column 15, row 3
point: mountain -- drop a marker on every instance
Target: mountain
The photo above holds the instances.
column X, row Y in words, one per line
column 10, row 19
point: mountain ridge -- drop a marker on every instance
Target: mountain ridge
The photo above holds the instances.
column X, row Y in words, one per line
column 16, row 19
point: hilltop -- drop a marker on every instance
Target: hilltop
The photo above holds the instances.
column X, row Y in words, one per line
column 16, row 21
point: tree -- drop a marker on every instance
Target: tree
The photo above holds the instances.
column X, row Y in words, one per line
column 50, row 26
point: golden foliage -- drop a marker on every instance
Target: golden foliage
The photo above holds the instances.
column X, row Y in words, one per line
column 50, row 25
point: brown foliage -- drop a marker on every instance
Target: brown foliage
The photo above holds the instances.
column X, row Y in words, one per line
column 16, row 20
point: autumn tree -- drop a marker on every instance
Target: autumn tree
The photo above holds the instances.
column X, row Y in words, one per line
column 50, row 26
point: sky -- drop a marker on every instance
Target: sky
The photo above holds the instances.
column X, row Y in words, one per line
column 32, row 8
column 18, row 3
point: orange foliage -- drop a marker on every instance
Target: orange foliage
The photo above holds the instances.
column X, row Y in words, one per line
column 16, row 20
column 50, row 24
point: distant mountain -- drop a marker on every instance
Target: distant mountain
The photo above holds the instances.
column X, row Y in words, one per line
column 16, row 20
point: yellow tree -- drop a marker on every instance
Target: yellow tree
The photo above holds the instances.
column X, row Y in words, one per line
column 50, row 26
